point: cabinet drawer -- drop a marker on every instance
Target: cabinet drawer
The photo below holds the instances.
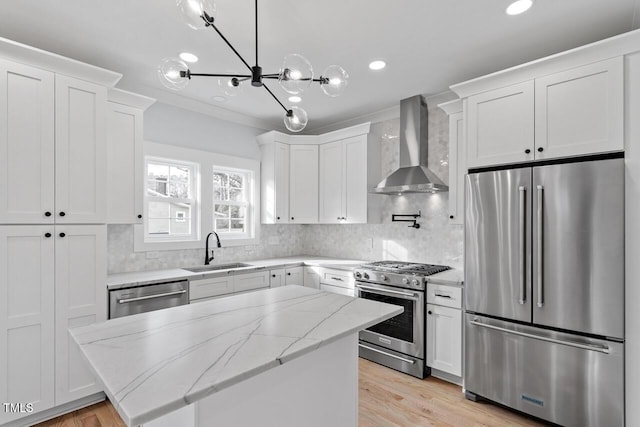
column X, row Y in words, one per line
column 205, row 288
column 337, row 290
column 247, row 282
column 448, row 296
column 337, row 278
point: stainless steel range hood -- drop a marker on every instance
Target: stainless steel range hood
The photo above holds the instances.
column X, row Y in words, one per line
column 413, row 175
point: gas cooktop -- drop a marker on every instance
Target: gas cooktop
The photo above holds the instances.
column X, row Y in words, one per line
column 400, row 267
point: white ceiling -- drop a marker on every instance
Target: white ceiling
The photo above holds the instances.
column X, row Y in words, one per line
column 428, row 44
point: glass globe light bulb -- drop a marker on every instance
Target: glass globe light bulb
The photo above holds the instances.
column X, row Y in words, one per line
column 296, row 74
column 169, row 73
column 229, row 86
column 297, row 120
column 191, row 12
column 336, row 80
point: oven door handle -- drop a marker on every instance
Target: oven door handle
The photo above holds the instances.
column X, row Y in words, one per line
column 387, row 291
column 387, row 354
column 166, row 294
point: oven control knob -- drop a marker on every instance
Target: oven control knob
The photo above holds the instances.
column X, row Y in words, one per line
column 366, row 276
column 358, row 275
column 383, row 277
column 405, row 281
column 414, row 282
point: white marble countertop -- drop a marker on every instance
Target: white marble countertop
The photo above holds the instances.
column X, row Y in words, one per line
column 137, row 278
column 154, row 363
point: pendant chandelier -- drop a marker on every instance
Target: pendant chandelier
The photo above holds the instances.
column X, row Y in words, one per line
column 294, row 76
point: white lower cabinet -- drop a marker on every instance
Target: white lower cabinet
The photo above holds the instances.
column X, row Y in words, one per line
column 52, row 278
column 294, row 276
column 337, row 281
column 276, row 278
column 251, row 281
column 337, row 290
column 207, row 288
column 444, row 329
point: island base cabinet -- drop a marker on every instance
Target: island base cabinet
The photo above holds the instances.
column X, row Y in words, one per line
column 328, row 377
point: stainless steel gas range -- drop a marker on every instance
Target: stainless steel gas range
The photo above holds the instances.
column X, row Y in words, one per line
column 399, row 342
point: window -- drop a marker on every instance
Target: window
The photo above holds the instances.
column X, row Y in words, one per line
column 232, row 197
column 170, row 200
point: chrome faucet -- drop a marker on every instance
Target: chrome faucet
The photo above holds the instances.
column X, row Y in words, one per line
column 208, row 259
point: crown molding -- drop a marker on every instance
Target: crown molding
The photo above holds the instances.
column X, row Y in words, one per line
column 131, row 99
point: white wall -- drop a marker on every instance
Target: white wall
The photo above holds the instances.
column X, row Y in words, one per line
column 167, row 124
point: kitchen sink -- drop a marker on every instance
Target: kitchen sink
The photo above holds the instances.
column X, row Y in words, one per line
column 217, row 267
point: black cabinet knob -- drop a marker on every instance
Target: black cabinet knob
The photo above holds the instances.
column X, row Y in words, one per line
column 62, row 214
column 292, row 218
column 47, row 235
column 540, row 149
column 278, row 218
column 288, row 274
column 273, row 275
column 450, row 216
column 62, row 234
column 429, row 312
column 139, row 216
column 47, row 213
column 527, row 151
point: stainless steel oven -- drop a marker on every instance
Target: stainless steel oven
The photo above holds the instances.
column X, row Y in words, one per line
column 403, row 333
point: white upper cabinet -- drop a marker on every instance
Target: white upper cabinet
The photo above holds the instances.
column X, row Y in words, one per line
column 81, row 299
column 274, row 182
column 27, row 317
column 331, row 179
column 26, row 144
column 580, row 111
column 566, row 105
column 500, row 125
column 124, row 156
column 80, row 151
column 303, row 187
column 343, row 181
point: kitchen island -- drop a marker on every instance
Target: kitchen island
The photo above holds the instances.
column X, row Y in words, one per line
column 278, row 357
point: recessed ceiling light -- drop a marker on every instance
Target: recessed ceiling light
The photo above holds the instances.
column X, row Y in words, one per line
column 519, row 6
column 219, row 98
column 188, row 57
column 377, row 65
column 295, row 99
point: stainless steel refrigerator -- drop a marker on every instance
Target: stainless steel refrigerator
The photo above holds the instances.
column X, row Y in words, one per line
column 544, row 286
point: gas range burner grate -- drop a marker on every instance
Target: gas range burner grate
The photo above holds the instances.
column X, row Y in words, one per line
column 407, row 267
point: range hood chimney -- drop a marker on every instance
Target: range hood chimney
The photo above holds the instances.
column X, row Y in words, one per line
column 413, row 175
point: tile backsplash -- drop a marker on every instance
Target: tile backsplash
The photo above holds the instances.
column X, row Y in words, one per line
column 436, row 241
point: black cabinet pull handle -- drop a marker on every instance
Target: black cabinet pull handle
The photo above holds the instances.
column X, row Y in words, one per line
column 62, row 214
column 450, row 216
column 277, row 217
column 273, row 275
column 139, row 216
column 292, row 218
column 527, row 151
column 62, row 234
column 47, row 235
column 288, row 274
column 429, row 312
column 540, row 149
column 47, row 213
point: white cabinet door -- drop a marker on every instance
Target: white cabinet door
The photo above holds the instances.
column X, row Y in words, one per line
column 124, row 164
column 80, row 151
column 81, row 276
column 282, row 182
column 303, row 188
column 27, row 317
column 355, row 192
column 331, row 181
column 26, row 144
column 500, row 126
column 294, row 276
column 337, row 290
column 206, row 288
column 312, row 277
column 276, row 277
column 250, row 281
column 444, row 339
column 580, row 111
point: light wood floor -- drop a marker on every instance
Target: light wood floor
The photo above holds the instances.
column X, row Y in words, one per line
column 387, row 399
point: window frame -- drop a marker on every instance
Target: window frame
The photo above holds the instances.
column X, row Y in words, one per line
column 249, row 204
column 192, row 201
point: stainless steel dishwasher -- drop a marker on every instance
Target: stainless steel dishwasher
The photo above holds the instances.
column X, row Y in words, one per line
column 143, row 298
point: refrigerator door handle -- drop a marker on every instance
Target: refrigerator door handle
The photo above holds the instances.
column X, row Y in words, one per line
column 522, row 191
column 592, row 347
column 540, row 303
